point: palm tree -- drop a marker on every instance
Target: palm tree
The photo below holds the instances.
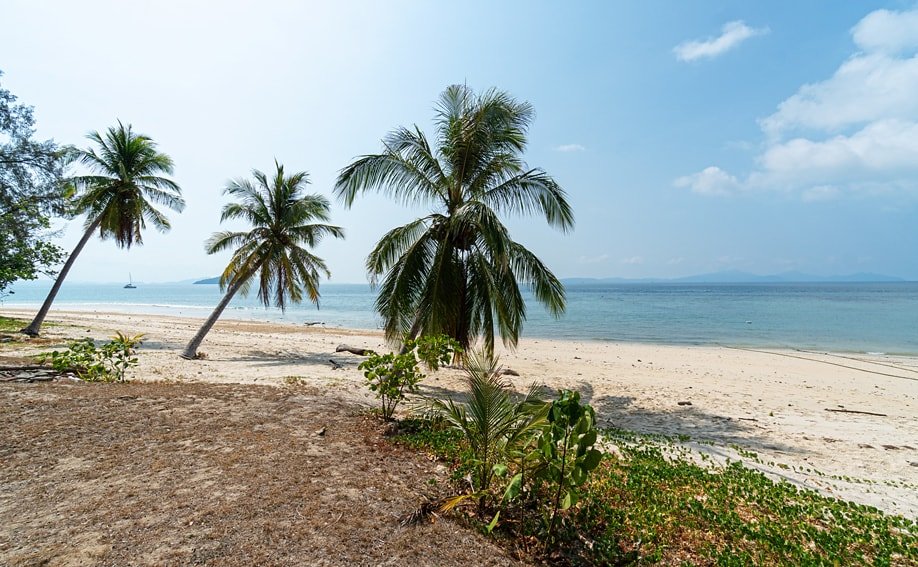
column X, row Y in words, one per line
column 274, row 251
column 118, row 198
column 456, row 270
column 497, row 428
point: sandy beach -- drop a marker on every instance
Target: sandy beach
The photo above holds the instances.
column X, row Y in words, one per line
column 773, row 403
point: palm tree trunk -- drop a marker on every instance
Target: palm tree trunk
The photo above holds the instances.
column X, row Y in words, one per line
column 191, row 351
column 35, row 326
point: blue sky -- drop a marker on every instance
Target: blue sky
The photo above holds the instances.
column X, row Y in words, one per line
column 690, row 137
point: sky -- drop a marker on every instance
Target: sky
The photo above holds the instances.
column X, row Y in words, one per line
column 690, row 137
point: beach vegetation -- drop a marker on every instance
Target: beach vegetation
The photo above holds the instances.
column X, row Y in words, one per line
column 275, row 252
column 33, row 190
column 118, row 196
column 91, row 363
column 496, row 428
column 393, row 376
column 457, row 271
column 527, row 458
column 649, row 502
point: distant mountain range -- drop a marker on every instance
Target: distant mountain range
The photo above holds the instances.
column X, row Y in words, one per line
column 734, row 276
column 729, row 276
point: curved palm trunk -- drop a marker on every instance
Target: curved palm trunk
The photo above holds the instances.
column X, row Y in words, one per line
column 191, row 351
column 35, row 326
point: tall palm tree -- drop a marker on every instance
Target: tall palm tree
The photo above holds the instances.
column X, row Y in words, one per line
column 456, row 270
column 274, row 251
column 118, row 197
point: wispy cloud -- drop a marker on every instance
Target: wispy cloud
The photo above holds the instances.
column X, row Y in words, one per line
column 732, row 34
column 710, row 181
column 633, row 261
column 567, row 148
column 853, row 132
column 594, row 259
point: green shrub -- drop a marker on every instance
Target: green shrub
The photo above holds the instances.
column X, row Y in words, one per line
column 393, row 376
column 496, row 428
column 436, row 350
column 107, row 363
column 565, row 455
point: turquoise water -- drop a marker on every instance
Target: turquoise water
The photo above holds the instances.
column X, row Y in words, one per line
column 847, row 317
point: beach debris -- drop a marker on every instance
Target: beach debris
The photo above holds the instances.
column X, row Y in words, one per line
column 353, row 350
column 31, row 374
column 856, row 411
column 313, row 323
column 335, row 365
column 508, row 372
column 321, row 432
column 685, row 403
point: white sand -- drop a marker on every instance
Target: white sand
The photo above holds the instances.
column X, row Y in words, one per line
column 773, row 403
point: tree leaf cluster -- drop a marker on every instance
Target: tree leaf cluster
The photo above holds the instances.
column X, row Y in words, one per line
column 32, row 189
column 106, row 363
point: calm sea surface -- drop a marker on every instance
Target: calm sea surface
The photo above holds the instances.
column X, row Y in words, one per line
column 841, row 317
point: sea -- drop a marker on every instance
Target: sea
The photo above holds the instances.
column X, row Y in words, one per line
column 838, row 317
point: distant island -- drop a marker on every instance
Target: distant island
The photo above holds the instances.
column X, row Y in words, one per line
column 735, row 276
column 208, row 281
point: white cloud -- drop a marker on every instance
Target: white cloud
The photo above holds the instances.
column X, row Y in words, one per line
column 710, row 181
column 855, row 132
column 732, row 34
column 570, row 148
column 633, row 261
column 885, row 149
column 867, row 87
column 887, row 31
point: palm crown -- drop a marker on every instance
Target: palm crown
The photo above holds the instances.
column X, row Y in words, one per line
column 455, row 271
column 274, row 251
column 127, row 179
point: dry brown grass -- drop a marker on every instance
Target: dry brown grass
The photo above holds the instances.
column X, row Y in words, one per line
column 194, row 474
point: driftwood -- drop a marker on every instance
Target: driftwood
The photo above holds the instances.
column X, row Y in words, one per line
column 26, row 368
column 29, row 379
column 509, row 372
column 857, row 411
column 335, row 365
column 354, row 350
column 313, row 323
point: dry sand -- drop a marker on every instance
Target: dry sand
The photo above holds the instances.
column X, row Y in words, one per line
column 773, row 403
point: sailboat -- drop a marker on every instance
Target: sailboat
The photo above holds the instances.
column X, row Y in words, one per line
column 130, row 284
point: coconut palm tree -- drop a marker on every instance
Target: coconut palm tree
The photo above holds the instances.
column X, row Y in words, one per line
column 456, row 270
column 118, row 198
column 273, row 252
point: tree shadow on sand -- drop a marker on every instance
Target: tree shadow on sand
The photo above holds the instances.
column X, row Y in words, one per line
column 621, row 412
column 262, row 358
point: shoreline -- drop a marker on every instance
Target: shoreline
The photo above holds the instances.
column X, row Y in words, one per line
column 27, row 310
column 794, row 410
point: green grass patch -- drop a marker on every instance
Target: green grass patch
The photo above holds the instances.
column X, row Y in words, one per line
column 647, row 506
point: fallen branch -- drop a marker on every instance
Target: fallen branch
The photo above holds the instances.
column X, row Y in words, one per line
column 26, row 367
column 857, row 411
column 335, row 365
column 353, row 350
column 313, row 323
